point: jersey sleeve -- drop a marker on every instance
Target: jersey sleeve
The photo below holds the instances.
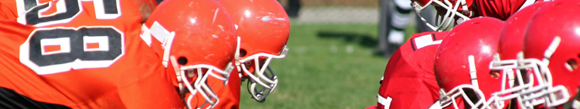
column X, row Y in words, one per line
column 7, row 13
column 409, row 81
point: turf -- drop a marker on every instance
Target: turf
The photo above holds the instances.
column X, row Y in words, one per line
column 329, row 66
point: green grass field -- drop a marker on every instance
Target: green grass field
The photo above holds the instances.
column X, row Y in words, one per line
column 329, row 66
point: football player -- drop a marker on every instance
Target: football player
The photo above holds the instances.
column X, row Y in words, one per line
column 82, row 54
column 196, row 41
column 462, row 67
column 464, row 9
column 551, row 56
column 452, row 12
column 264, row 29
column 510, row 52
column 411, row 65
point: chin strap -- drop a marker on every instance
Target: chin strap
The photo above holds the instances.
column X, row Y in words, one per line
column 177, row 74
column 167, row 49
column 472, row 71
column 550, row 50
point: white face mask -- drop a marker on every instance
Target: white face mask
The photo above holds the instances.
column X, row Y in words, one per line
column 447, row 20
column 200, row 85
column 203, row 72
column 543, row 92
column 263, row 80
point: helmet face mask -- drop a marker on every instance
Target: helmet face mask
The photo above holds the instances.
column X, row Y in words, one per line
column 541, row 90
column 532, row 81
column 469, row 94
column 448, row 12
column 202, row 75
column 473, row 97
column 263, row 28
column 464, row 67
column 200, row 83
column 263, row 80
column 550, row 51
column 521, row 81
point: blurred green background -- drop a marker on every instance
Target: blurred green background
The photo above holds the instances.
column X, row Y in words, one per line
column 329, row 66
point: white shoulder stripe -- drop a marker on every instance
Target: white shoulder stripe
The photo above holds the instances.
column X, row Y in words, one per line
column 385, row 101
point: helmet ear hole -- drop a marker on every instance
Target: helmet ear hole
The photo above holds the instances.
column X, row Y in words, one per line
column 571, row 65
column 494, row 74
column 243, row 52
column 182, row 60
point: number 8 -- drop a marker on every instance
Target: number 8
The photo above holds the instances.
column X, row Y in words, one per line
column 74, row 52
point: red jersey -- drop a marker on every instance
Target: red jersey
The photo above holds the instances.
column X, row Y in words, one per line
column 409, row 80
column 501, row 9
column 87, row 56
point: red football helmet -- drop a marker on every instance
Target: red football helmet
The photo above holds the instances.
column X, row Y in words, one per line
column 198, row 42
column 263, row 27
column 510, row 53
column 452, row 8
column 551, row 54
column 462, row 65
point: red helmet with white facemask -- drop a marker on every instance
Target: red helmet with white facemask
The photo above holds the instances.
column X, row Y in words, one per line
column 264, row 28
column 462, row 66
column 510, row 53
column 453, row 12
column 197, row 41
column 551, row 54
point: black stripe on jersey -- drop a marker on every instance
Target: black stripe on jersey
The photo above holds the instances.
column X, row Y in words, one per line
column 433, row 35
column 9, row 99
column 413, row 44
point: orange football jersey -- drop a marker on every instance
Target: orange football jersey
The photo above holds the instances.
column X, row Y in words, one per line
column 6, row 12
column 84, row 54
column 230, row 94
